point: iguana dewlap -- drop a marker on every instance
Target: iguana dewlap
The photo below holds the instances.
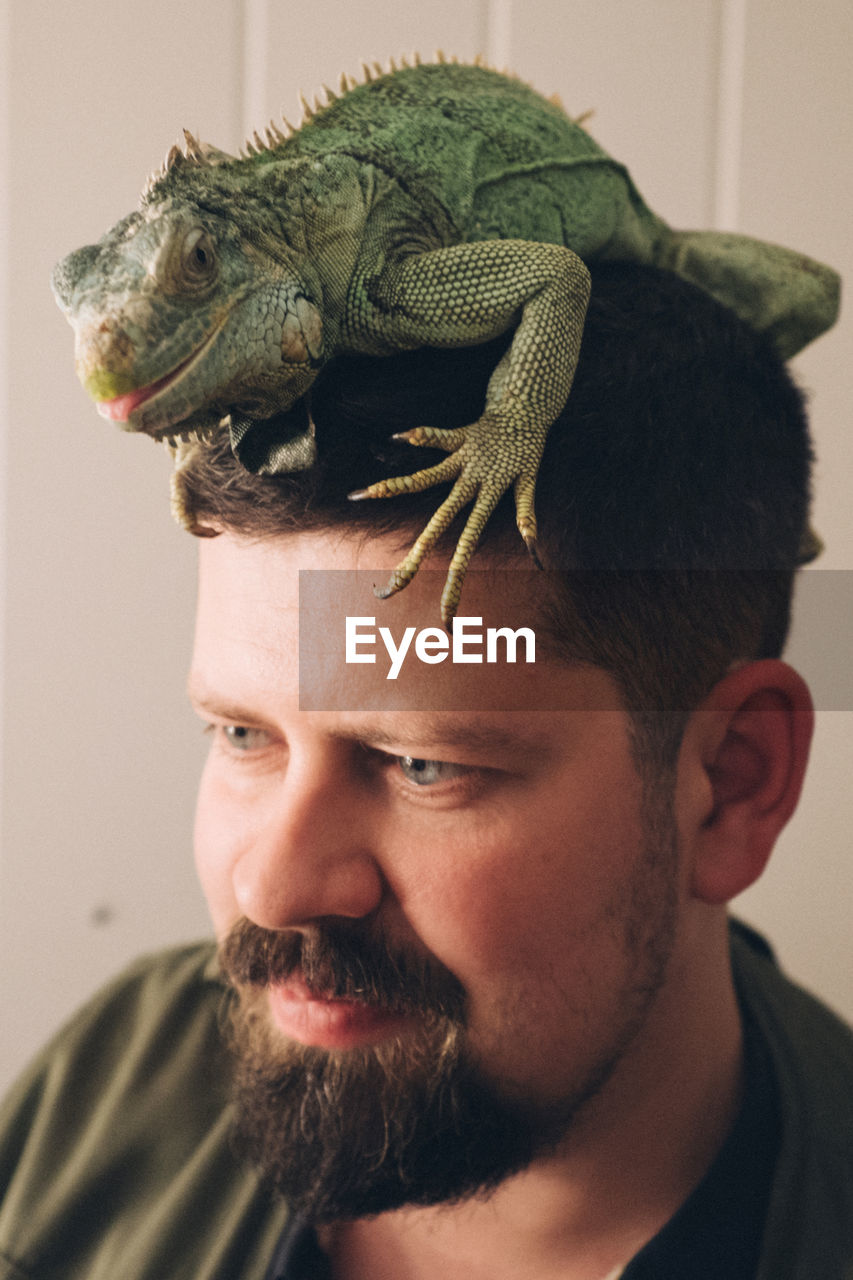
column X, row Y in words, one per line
column 437, row 205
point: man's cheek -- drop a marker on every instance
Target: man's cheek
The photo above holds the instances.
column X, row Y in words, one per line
column 215, row 856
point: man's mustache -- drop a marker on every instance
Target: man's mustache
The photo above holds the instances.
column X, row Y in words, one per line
column 344, row 961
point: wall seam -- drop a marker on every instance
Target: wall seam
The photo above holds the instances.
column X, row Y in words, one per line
column 498, row 49
column 255, row 42
column 731, row 52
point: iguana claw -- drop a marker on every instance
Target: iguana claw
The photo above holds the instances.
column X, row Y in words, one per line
column 448, row 439
column 487, row 457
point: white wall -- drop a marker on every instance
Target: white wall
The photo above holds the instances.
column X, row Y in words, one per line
column 732, row 112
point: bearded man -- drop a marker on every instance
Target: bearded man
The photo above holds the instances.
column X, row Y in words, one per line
column 478, row 1008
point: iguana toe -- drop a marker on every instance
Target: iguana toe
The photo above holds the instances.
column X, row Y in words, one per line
column 434, row 437
column 461, row 494
column 525, row 517
column 396, row 485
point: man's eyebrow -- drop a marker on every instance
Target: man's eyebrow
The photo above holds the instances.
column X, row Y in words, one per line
column 434, row 731
column 205, row 700
column 426, row 730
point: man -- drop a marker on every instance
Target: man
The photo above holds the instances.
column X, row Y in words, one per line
column 487, row 1014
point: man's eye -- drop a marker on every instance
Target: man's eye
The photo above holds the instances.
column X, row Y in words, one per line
column 241, row 738
column 426, row 773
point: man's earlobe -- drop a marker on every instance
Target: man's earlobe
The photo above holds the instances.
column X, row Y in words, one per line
column 755, row 738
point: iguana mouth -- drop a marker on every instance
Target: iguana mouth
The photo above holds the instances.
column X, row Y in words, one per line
column 120, row 408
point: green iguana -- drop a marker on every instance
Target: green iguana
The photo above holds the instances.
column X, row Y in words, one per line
column 434, row 205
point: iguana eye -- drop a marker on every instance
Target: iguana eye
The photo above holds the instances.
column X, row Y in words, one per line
column 198, row 260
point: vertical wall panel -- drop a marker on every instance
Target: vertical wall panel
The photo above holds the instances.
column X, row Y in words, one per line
column 100, row 752
column 309, row 46
column 648, row 71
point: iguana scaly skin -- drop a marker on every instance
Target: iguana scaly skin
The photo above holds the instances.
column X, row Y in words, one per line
column 436, row 205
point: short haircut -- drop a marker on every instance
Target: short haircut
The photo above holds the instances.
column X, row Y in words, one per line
column 672, row 499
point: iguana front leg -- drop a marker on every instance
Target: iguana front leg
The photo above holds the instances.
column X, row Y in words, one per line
column 461, row 296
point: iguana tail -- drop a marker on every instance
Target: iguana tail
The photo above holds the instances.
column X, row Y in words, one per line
column 791, row 298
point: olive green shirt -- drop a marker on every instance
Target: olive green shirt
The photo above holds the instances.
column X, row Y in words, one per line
column 115, row 1160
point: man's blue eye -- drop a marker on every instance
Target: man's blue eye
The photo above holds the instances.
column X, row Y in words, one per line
column 426, row 773
column 241, row 738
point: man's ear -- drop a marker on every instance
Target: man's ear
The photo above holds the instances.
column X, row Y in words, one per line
column 750, row 738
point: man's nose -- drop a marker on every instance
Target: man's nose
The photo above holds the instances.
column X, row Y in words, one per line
column 310, row 855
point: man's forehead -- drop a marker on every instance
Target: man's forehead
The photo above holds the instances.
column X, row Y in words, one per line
column 304, row 606
column 277, row 560
column 319, row 574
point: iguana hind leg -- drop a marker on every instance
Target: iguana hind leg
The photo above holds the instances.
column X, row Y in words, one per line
column 461, row 296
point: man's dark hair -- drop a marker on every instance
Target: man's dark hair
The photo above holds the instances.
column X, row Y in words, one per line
column 672, row 500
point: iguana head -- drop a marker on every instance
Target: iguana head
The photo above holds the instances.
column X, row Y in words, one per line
column 188, row 309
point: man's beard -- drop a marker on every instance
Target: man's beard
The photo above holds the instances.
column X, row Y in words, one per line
column 412, row 1120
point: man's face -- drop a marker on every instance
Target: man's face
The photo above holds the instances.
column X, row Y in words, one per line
column 480, row 893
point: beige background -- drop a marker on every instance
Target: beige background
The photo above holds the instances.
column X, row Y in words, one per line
column 730, row 113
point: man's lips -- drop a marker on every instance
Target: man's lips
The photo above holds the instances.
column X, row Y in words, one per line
column 329, row 1022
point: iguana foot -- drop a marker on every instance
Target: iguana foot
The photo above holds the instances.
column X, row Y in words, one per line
column 487, row 457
